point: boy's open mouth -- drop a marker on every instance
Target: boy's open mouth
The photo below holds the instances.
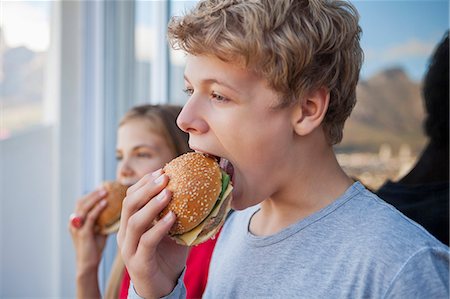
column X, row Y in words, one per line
column 224, row 164
column 227, row 167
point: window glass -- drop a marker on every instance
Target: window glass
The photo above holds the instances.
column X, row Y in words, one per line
column 24, row 42
column 144, row 34
column 177, row 59
column 383, row 136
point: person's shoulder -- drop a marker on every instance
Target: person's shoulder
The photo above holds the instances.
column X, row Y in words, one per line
column 385, row 226
column 424, row 275
column 378, row 234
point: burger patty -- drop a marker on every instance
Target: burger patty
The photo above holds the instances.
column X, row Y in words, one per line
column 213, row 222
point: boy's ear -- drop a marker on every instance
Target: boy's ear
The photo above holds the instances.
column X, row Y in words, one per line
column 310, row 111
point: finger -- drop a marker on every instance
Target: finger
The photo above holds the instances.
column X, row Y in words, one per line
column 144, row 180
column 75, row 223
column 93, row 214
column 72, row 229
column 152, row 237
column 142, row 221
column 87, row 202
column 137, row 199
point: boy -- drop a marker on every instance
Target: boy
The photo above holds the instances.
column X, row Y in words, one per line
column 271, row 83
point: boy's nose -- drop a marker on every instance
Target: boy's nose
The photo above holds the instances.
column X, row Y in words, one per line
column 191, row 118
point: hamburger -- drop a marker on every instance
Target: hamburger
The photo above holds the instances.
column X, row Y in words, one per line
column 109, row 219
column 201, row 197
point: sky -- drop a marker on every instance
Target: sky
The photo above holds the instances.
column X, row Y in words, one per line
column 396, row 33
column 401, row 33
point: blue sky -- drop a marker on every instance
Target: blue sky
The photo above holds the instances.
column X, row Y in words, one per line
column 401, row 33
column 396, row 33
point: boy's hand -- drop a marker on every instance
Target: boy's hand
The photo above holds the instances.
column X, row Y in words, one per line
column 153, row 260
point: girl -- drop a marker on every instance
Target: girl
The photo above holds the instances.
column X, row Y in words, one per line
column 147, row 138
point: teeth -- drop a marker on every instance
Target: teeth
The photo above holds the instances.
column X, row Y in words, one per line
column 212, row 156
column 227, row 167
column 223, row 163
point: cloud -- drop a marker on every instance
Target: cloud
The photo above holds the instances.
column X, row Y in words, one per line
column 410, row 49
column 413, row 48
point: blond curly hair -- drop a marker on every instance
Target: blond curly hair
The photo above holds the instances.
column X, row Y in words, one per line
column 298, row 46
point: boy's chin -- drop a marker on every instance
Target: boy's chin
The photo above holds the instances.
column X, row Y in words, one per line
column 236, row 202
column 239, row 203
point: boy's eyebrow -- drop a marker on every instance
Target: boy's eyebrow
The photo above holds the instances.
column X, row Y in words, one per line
column 213, row 80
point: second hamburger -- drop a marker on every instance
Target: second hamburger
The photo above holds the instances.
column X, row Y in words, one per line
column 109, row 219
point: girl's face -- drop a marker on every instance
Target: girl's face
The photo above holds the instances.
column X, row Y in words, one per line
column 139, row 151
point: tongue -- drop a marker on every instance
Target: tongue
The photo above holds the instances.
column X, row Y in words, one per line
column 227, row 167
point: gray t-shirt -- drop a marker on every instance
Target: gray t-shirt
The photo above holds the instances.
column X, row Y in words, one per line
column 357, row 247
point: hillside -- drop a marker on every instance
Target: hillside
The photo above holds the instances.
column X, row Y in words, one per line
column 389, row 110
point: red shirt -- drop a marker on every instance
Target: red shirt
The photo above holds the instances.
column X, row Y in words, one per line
column 196, row 275
column 197, row 268
column 125, row 284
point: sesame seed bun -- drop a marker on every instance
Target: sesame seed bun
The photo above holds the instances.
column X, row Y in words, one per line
column 195, row 181
column 109, row 219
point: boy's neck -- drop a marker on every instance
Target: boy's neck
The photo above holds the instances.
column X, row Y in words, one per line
column 319, row 182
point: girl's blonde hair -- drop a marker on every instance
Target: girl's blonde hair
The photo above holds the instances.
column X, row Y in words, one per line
column 161, row 119
column 298, row 46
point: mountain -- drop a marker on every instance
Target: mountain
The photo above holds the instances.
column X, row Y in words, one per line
column 389, row 110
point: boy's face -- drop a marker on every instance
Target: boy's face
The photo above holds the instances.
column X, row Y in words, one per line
column 231, row 114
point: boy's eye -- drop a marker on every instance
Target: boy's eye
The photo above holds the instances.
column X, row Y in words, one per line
column 188, row 91
column 218, row 97
column 118, row 158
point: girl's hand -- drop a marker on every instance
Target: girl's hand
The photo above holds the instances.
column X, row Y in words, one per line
column 88, row 244
column 153, row 260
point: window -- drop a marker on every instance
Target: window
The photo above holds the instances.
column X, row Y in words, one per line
column 383, row 136
column 177, row 59
column 383, row 130
column 24, row 42
column 144, row 34
column 158, row 69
